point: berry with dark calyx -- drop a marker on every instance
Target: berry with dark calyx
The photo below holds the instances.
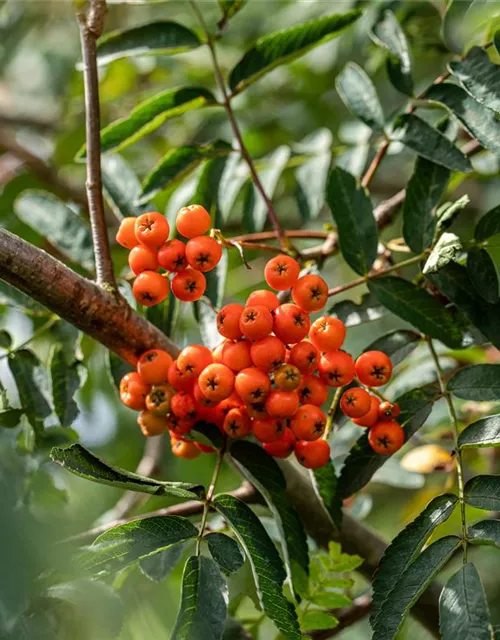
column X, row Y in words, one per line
column 268, row 429
column 216, row 382
column 237, row 423
column 305, row 356
column 203, row 253
column 312, row 455
column 373, row 368
column 388, row 411
column 268, row 354
column 193, row 220
column 291, row 323
column 179, row 380
column 310, row 293
column 172, row 255
column 371, row 417
column 183, row 405
column 189, row 285
column 336, row 368
column 252, row 385
column 256, row 322
column 159, row 398
column 153, row 366
column 287, row 377
column 283, row 446
column 193, row 359
column 179, row 426
column 355, row 402
column 150, row 288
column 281, row 272
column 386, row 437
column 308, row 423
column 257, row 410
column 151, row 229
column 327, row 333
column 228, row 321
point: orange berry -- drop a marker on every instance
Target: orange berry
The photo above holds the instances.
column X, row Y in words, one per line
column 193, row 221
column 232, row 402
column 228, row 321
column 336, row 368
column 193, row 359
column 153, row 366
column 282, row 404
column 158, row 399
column 268, row 429
column 142, row 258
column 327, row 333
column 257, row 410
column 287, row 377
column 151, row 229
column 304, row 355
column 256, row 322
column 133, row 391
column 252, row 385
column 217, row 352
column 237, row 423
column 150, row 288
column 216, row 382
column 312, row 390
column 151, row 424
column 355, row 402
column 308, row 423
column 201, row 401
column 172, row 255
column 371, row 417
column 283, row 446
column 312, row 455
column 183, row 405
column 189, row 285
column 268, row 353
column 386, row 437
column 203, row 253
column 236, row 355
column 281, row 272
column 185, row 449
column 291, row 323
column 373, row 368
column 126, row 233
column 263, row 297
column 179, row 380
column 388, row 411
column 179, row 426
column 310, row 293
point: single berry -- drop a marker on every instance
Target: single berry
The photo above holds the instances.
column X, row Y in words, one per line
column 185, row 449
column 203, row 253
column 179, row 380
column 386, row 437
column 281, row 272
column 263, row 297
column 252, row 385
column 153, row 366
column 150, row 288
column 142, row 258
column 172, row 255
column 287, row 377
column 283, row 446
column 373, row 368
column 355, row 402
column 268, row 354
column 216, row 382
column 179, row 426
column 308, row 423
column 256, row 322
column 304, row 355
column 310, row 293
column 126, row 233
column 313, row 390
column 268, row 429
column 152, row 229
column 193, row 221
column 371, row 417
column 193, row 359
column 336, row 368
column 312, row 455
column 183, row 405
column 291, row 323
column 133, row 391
column 152, row 424
column 327, row 333
column 236, row 355
column 282, row 404
column 189, row 285
column 237, row 423
column 158, row 399
column 388, row 411
column 228, row 321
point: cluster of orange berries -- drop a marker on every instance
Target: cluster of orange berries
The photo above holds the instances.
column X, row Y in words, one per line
column 147, row 238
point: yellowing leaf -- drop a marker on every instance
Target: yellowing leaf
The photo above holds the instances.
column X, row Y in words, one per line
column 428, row 458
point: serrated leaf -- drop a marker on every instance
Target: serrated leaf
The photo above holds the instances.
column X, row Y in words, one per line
column 360, row 96
column 267, row 567
column 479, row 77
column 419, row 308
column 353, row 214
column 483, row 274
column 264, row 473
column 121, row 186
column 482, row 433
column 362, row 461
column 56, row 222
column 176, row 165
column 406, row 546
column 317, row 620
column 66, row 379
column 225, row 551
column 5, row 339
column 479, row 121
column 446, row 249
column 325, row 483
column 411, row 585
column 430, row 143
column 424, row 190
column 352, row 314
column 463, row 610
column 396, row 344
column 388, row 33
column 204, row 598
column 284, row 46
column 159, row 566
column 154, row 38
column 81, row 462
column 488, row 225
column 485, row 532
column 204, row 312
column 10, row 418
column 480, row 382
column 129, row 542
column 483, row 492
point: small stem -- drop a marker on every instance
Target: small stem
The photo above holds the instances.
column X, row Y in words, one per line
column 91, row 24
column 331, row 412
column 50, row 323
column 375, row 163
column 210, row 495
column 236, row 130
column 454, row 421
column 270, row 235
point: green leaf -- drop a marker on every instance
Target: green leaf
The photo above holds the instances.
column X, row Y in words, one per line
column 204, row 598
column 463, row 610
column 317, row 620
column 159, row 566
column 62, row 227
column 406, row 547
column 485, row 532
column 267, row 567
column 208, row 190
column 5, row 339
column 362, row 462
column 387, row 33
column 360, row 96
column 430, row 143
column 419, row 308
column 479, row 77
column 121, row 186
column 448, row 211
column 396, row 344
column 125, row 544
column 177, row 165
column 479, row 121
column 353, row 214
column 165, row 315
column 483, row 274
column 154, row 38
column 488, row 225
column 66, row 380
column 483, row 492
column 255, row 209
column 82, row 463
column 446, row 249
column 482, row 433
column 424, row 190
column 204, row 312
column 480, row 382
column 284, row 46
column 10, row 418
column 32, row 384
column 229, row 8
column 454, row 17
column 233, row 178
column 352, row 314
column 312, row 175
column 207, row 433
column 325, row 483
column 264, row 473
column 225, row 551
column 331, row 600
column 411, row 585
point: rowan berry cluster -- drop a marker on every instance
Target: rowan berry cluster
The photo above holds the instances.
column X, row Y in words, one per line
column 150, row 250
column 268, row 378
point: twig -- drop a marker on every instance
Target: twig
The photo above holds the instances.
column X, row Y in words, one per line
column 210, row 495
column 375, row 163
column 346, row 616
column 331, row 412
column 91, row 25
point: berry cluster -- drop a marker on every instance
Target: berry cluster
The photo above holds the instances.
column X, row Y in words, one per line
column 268, row 378
column 147, row 238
